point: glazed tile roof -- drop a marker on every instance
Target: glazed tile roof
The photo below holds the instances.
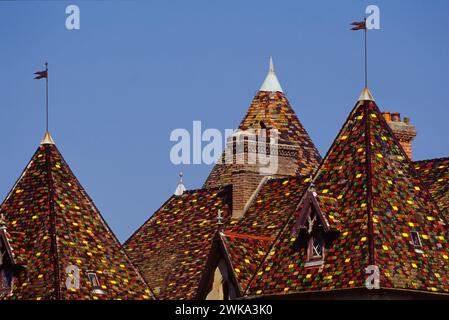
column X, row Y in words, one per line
column 380, row 201
column 172, row 247
column 52, row 224
column 248, row 240
column 435, row 174
column 274, row 110
column 245, row 253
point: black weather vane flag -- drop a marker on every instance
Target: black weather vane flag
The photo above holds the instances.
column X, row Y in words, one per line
column 42, row 75
column 361, row 25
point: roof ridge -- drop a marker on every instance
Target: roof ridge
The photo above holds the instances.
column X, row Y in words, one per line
column 53, row 233
column 432, row 159
column 222, row 187
column 369, row 180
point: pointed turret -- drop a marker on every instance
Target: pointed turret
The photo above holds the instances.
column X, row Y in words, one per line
column 271, row 82
column 271, row 110
column 388, row 223
column 63, row 247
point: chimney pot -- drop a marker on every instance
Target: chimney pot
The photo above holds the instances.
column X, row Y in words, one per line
column 406, row 120
column 395, row 116
column 387, row 116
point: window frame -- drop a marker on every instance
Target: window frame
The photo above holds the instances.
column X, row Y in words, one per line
column 312, row 259
column 416, row 245
column 96, row 287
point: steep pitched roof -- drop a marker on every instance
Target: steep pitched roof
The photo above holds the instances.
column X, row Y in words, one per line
column 52, row 224
column 271, row 110
column 247, row 241
column 172, row 247
column 435, row 174
column 380, row 201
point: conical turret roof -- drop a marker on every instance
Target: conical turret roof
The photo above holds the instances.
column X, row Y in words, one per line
column 380, row 206
column 63, row 246
column 270, row 109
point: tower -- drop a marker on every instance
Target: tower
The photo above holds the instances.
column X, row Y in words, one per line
column 270, row 131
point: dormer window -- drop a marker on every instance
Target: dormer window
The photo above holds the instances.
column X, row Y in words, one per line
column 93, row 279
column 317, row 248
column 416, row 240
column 312, row 230
column 315, row 251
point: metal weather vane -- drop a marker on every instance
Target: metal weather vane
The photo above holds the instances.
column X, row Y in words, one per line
column 361, row 25
column 44, row 75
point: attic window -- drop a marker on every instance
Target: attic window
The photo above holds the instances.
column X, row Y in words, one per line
column 315, row 251
column 416, row 240
column 93, row 279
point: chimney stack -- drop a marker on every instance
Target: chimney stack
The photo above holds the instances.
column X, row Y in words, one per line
column 404, row 131
column 248, row 173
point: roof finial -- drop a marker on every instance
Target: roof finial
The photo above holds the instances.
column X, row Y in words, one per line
column 180, row 188
column 44, row 75
column 271, row 82
column 271, row 68
column 47, row 139
column 220, row 220
column 366, row 95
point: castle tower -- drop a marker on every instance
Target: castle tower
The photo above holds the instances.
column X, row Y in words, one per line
column 270, row 131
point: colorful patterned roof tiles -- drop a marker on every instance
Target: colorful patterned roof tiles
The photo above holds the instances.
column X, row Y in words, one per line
column 245, row 253
column 57, row 233
column 271, row 207
column 247, row 241
column 172, row 247
column 273, row 110
column 381, row 205
column 435, row 174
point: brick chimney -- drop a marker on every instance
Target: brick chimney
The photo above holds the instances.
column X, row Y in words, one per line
column 248, row 173
column 404, row 131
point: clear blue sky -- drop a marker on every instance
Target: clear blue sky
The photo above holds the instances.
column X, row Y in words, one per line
column 139, row 69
